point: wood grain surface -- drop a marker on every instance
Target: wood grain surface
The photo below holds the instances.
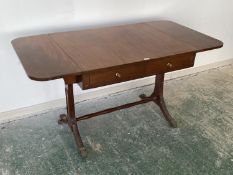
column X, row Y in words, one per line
column 52, row 56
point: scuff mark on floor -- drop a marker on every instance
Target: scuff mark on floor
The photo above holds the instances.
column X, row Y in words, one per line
column 95, row 146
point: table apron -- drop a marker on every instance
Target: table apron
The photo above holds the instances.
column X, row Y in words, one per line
column 138, row 70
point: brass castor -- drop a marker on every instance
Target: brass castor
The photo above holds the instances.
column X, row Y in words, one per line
column 173, row 123
column 142, row 96
column 83, row 152
column 62, row 119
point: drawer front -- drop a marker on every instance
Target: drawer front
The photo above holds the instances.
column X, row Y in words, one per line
column 113, row 75
column 168, row 64
column 137, row 70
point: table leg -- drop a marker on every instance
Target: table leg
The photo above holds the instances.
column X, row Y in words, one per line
column 71, row 118
column 159, row 99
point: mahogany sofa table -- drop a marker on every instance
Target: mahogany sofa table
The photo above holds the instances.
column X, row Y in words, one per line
column 104, row 56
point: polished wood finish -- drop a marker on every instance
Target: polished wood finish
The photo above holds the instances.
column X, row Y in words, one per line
column 71, row 118
column 113, row 75
column 104, row 56
column 43, row 59
column 156, row 96
column 149, row 67
column 52, row 56
column 169, row 64
column 158, row 93
column 186, row 35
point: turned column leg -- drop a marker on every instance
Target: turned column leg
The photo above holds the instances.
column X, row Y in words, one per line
column 159, row 100
column 72, row 119
column 157, row 97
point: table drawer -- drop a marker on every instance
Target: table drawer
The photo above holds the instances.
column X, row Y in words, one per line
column 168, row 64
column 113, row 75
column 123, row 73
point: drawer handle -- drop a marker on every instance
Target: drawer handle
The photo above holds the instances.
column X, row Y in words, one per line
column 118, row 75
column 169, row 65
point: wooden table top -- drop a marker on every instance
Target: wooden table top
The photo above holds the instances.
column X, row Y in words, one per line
column 56, row 55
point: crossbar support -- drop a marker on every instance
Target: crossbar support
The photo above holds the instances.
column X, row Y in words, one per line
column 156, row 96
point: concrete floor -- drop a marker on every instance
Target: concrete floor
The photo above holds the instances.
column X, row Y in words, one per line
column 133, row 141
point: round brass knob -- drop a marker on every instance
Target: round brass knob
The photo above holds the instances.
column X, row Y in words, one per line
column 169, row 65
column 118, row 75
